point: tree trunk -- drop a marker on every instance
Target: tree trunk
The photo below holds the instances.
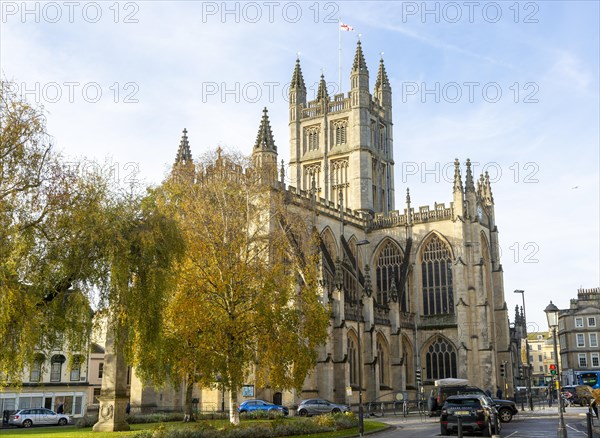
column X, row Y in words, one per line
column 189, row 390
column 234, row 415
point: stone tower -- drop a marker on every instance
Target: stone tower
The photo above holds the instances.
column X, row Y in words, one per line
column 344, row 143
column 264, row 153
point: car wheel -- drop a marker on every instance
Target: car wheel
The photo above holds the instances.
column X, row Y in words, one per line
column 584, row 401
column 505, row 415
column 243, row 411
column 335, row 411
column 27, row 423
column 444, row 430
column 302, row 412
column 62, row 422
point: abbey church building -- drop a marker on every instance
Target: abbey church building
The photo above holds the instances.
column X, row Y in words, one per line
column 422, row 286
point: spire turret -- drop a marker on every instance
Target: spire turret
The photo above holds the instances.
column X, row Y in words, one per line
column 264, row 139
column 297, row 79
column 382, row 78
column 184, row 154
column 383, row 90
column 480, row 184
column 487, row 190
column 458, row 187
column 264, row 154
column 359, row 80
column 470, row 194
column 359, row 65
column 459, row 195
column 322, row 91
column 408, row 208
column 470, row 186
column 297, row 89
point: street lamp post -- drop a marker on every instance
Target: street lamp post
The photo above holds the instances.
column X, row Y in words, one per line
column 340, row 285
column 552, row 315
column 528, row 374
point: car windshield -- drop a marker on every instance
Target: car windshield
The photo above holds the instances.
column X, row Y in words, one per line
column 469, row 402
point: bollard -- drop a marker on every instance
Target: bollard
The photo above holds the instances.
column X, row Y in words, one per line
column 460, row 431
column 590, row 434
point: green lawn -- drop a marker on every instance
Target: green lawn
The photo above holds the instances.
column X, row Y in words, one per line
column 74, row 432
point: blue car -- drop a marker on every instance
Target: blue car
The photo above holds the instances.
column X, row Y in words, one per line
column 261, row 405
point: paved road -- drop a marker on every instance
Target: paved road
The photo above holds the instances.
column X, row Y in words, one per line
column 540, row 424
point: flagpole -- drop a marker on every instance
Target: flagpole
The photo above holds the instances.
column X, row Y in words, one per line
column 340, row 55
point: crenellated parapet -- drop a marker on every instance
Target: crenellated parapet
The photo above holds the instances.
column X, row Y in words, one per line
column 362, row 219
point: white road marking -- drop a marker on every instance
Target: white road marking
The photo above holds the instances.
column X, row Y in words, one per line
column 576, row 430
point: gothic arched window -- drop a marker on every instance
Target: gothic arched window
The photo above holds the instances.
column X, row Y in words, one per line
column 387, row 273
column 436, row 269
column 440, row 360
column 340, row 132
column 352, row 361
column 383, row 362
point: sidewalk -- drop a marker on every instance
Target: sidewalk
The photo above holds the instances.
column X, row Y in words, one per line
column 570, row 412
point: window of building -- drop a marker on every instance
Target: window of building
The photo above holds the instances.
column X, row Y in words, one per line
column 96, row 400
column 582, row 360
column 552, row 355
column 311, row 139
column 312, row 174
column 578, row 322
column 580, row 340
column 352, row 361
column 436, row 270
column 530, row 359
column 591, row 321
column 440, row 360
column 539, row 347
column 100, row 370
column 56, row 367
column 593, row 339
column 76, row 368
column 388, row 275
column 595, row 359
column 339, row 129
column 35, row 372
column 382, row 138
column 540, row 358
column 338, row 174
column 382, row 360
column 542, row 368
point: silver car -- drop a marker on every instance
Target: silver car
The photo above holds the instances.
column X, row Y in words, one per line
column 38, row 416
column 315, row 406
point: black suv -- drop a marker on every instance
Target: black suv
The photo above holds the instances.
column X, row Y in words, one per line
column 506, row 408
column 476, row 412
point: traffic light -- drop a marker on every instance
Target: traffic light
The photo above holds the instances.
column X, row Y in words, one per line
column 502, row 369
column 553, row 369
column 520, row 371
column 418, row 376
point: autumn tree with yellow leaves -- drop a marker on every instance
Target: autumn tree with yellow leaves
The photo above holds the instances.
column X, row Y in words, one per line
column 246, row 301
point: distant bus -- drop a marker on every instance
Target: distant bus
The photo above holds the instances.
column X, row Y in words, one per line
column 590, row 378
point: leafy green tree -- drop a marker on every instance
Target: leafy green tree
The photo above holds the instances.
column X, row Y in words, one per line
column 246, row 299
column 69, row 240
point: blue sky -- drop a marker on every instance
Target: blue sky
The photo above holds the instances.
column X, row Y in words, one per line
column 121, row 80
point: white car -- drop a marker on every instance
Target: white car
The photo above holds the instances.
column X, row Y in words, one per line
column 37, row 416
